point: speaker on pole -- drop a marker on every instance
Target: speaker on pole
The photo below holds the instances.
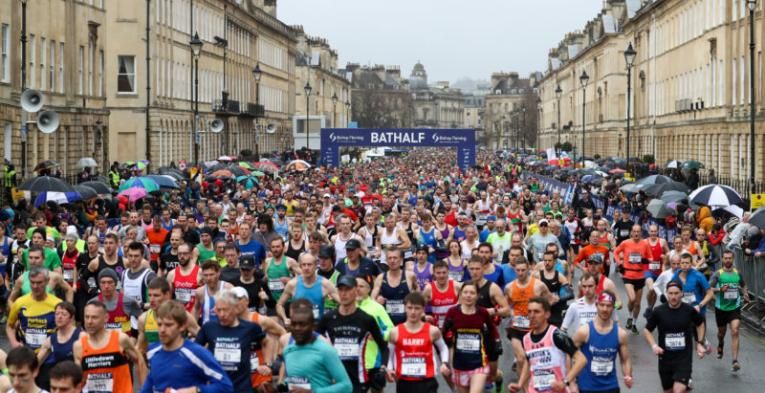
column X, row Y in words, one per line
column 31, row 101
column 271, row 128
column 216, row 125
column 48, row 122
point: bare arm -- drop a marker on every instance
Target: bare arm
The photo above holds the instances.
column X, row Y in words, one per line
column 141, row 340
column 77, row 352
column 286, row 296
column 330, row 290
column 16, row 292
column 44, row 350
column 133, row 354
column 624, row 357
column 503, row 309
column 377, row 286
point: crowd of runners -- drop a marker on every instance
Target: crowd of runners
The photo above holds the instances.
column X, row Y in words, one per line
column 395, row 271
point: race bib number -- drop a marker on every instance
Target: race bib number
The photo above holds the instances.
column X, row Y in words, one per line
column 395, row 307
column 456, row 276
column 624, row 233
column 35, row 337
column 635, row 258
column 674, row 341
column 298, row 383
column 228, row 355
column 601, row 366
column 731, row 294
column 654, row 266
column 276, row 285
column 520, row 322
column 183, row 295
column 543, row 380
column 100, row 383
column 468, row 342
column 316, row 312
column 68, row 274
column 155, row 248
column 254, row 362
column 347, row 349
column 689, row 297
column 413, row 367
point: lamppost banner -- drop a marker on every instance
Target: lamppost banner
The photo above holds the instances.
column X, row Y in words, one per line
column 461, row 139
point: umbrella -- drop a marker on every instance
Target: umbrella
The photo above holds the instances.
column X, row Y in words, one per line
column 47, row 164
column 249, row 182
column 758, row 218
column 134, row 193
column 86, row 192
column 140, row 165
column 590, row 164
column 176, row 174
column 673, row 196
column 45, row 183
column 87, row 162
column 674, row 164
column 692, row 165
column 660, row 188
column 659, row 209
column 298, row 165
column 592, row 179
column 735, row 210
column 144, row 182
column 617, row 171
column 715, row 195
column 654, row 179
column 226, row 158
column 237, row 170
column 632, row 188
column 266, row 166
column 221, row 173
column 210, row 164
column 257, row 174
column 245, row 165
column 164, row 181
column 57, row 197
column 99, row 187
column 100, row 178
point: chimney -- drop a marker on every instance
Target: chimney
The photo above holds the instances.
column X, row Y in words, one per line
column 379, row 70
column 394, row 72
column 270, row 7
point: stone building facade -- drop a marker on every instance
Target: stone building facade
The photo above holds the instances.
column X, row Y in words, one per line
column 510, row 111
column 690, row 84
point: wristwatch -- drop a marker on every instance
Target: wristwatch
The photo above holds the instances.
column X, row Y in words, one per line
column 566, row 382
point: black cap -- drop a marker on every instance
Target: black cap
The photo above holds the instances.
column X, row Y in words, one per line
column 423, row 247
column 247, row 262
column 326, row 252
column 346, row 281
column 353, row 244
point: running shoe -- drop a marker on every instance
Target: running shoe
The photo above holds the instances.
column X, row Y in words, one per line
column 735, row 366
column 629, row 324
column 634, row 329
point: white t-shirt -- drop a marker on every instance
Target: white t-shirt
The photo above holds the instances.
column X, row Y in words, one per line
column 660, row 285
column 580, row 313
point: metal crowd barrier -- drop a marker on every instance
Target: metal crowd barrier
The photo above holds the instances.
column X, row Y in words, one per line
column 752, row 270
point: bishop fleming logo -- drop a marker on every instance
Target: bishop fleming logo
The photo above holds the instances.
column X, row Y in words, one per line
column 435, row 137
column 332, row 137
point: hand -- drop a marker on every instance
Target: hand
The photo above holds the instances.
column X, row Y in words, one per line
column 299, row 390
column 285, row 280
column 724, row 288
column 628, row 381
column 558, row 386
column 758, row 254
column 380, row 300
column 262, row 294
column 701, row 350
column 264, row 370
column 429, row 319
column 286, row 322
column 514, row 387
column 697, row 307
column 657, row 350
column 555, row 299
column 492, row 311
column 390, row 376
column 445, row 370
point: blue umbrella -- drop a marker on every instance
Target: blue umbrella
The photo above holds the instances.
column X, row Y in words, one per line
column 57, row 197
column 164, row 181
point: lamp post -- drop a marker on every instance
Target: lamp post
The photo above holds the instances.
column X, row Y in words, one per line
column 558, row 94
column 334, row 110
column 347, row 113
column 196, row 49
column 583, row 79
column 307, row 89
column 752, row 5
column 23, row 86
column 523, row 128
column 257, row 74
column 629, row 59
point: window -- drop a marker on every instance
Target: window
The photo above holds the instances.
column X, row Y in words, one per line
column 80, row 76
column 91, row 66
column 5, row 47
column 52, row 67
column 101, row 67
column 61, row 67
column 126, row 74
column 32, row 48
column 8, row 139
column 43, row 53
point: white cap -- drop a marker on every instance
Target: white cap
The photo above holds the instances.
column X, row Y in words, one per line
column 240, row 293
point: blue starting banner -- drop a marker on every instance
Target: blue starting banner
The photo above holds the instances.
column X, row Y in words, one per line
column 461, row 139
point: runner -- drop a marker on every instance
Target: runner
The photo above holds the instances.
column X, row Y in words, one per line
column 678, row 323
column 107, row 354
column 392, row 237
column 547, row 352
column 349, row 329
column 66, row 377
column 392, row 287
column 311, row 364
column 524, row 288
column 148, row 324
column 309, row 285
column 696, row 290
column 356, row 264
column 470, row 333
column 22, row 366
column 55, row 280
column 136, row 277
column 557, row 284
column 412, row 364
column 729, row 288
column 602, row 283
column 659, row 259
column 185, row 278
column 584, row 309
column 122, row 311
column 456, row 262
column 205, row 307
column 31, row 318
column 194, row 369
column 600, row 341
column 632, row 256
column 279, row 269
column 441, row 294
column 422, row 268
column 57, row 347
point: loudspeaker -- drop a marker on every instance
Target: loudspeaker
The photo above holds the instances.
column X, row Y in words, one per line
column 47, row 122
column 216, row 125
column 271, row 128
column 31, row 101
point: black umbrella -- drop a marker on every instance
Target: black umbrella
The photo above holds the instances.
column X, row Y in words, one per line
column 758, row 218
column 47, row 164
column 100, row 178
column 86, row 192
column 237, row 170
column 660, row 188
column 177, row 174
column 99, row 187
column 46, row 183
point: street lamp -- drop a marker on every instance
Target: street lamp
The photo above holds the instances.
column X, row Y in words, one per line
column 583, row 79
column 347, row 113
column 334, row 110
column 257, row 74
column 629, row 58
column 24, row 86
column 523, row 129
column 752, row 5
column 558, row 94
column 196, row 49
column 307, row 89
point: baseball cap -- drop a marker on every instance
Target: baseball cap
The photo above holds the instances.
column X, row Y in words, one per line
column 246, row 262
column 544, row 222
column 240, row 293
column 327, row 196
column 346, row 281
column 353, row 244
column 326, row 252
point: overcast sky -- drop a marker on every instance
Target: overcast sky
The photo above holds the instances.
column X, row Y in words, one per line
column 452, row 38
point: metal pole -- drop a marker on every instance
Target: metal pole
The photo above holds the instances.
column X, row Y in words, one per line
column 148, row 79
column 559, row 145
column 523, row 130
column 196, row 110
column 24, row 87
column 257, row 103
column 629, row 102
column 307, row 112
column 752, row 157
column 334, row 114
column 584, row 122
column 225, row 92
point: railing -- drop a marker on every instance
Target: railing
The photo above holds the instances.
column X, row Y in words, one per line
column 752, row 271
column 232, row 106
column 254, row 110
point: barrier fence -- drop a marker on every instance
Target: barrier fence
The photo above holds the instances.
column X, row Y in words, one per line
column 752, row 270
